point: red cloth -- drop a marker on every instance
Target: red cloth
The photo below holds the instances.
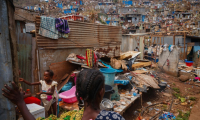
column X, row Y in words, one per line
column 30, row 100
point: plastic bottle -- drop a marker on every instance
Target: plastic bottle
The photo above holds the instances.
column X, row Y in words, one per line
column 28, row 91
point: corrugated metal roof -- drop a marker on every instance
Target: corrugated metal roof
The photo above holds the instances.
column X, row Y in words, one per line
column 82, row 35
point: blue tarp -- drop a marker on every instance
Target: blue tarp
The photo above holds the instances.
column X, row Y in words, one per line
column 81, row 3
column 67, row 11
column 108, row 66
column 128, row 2
column 196, row 48
column 60, row 5
column 124, row 82
column 108, row 22
column 143, row 17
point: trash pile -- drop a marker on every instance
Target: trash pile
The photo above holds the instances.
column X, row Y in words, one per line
column 124, row 83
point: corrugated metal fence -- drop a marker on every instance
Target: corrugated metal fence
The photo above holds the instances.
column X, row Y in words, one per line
column 24, row 41
column 7, row 109
column 82, row 35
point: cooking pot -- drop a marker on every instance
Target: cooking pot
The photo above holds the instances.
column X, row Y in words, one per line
column 106, row 104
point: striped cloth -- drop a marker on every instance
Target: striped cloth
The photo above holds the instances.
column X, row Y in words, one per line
column 89, row 57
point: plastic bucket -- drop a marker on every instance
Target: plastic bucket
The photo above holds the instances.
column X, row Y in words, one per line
column 109, row 75
column 189, row 63
column 108, row 92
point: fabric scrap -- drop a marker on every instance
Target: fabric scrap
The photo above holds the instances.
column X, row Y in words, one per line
column 47, row 27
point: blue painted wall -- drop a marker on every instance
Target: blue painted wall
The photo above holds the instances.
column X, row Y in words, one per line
column 143, row 17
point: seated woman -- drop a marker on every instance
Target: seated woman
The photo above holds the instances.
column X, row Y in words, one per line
column 89, row 90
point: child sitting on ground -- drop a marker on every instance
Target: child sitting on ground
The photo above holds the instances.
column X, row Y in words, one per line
column 48, row 94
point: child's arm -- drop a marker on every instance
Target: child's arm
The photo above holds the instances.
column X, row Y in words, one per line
column 28, row 83
column 49, row 93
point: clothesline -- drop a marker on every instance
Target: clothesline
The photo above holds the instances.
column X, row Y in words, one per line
column 49, row 30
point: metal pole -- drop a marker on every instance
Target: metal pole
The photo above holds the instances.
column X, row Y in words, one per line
column 184, row 45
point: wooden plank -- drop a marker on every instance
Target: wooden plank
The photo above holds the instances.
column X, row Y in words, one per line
column 13, row 42
column 24, row 15
column 141, row 64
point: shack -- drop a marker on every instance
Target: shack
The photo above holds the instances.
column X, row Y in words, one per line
column 105, row 39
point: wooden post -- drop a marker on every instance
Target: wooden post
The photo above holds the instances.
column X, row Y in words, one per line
column 163, row 40
column 142, row 47
column 184, row 45
column 157, row 41
column 8, row 57
column 160, row 41
column 151, row 43
column 13, row 41
column 174, row 39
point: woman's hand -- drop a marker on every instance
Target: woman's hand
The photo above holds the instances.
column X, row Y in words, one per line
column 13, row 94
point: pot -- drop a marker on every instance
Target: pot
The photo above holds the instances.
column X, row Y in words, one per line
column 162, row 86
column 106, row 104
column 108, row 92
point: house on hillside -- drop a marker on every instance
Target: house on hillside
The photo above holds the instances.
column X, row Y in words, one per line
column 133, row 14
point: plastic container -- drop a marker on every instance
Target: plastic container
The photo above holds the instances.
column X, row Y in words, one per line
column 69, row 96
column 28, row 91
column 36, row 110
column 109, row 75
column 108, row 92
column 188, row 63
column 156, row 60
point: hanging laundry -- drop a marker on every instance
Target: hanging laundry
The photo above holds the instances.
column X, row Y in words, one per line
column 63, row 27
column 47, row 28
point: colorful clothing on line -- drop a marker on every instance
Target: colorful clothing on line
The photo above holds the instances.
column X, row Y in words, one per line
column 47, row 28
column 63, row 27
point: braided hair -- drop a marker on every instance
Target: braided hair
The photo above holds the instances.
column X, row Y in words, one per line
column 88, row 84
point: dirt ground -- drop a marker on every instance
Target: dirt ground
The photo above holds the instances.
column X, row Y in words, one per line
column 185, row 96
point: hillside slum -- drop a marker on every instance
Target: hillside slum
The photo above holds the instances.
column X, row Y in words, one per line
column 147, row 51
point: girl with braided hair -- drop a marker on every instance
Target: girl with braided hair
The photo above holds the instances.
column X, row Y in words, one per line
column 90, row 89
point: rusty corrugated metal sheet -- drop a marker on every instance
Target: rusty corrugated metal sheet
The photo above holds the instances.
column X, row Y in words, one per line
column 109, row 51
column 82, row 35
column 49, row 56
column 7, row 109
column 24, row 42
